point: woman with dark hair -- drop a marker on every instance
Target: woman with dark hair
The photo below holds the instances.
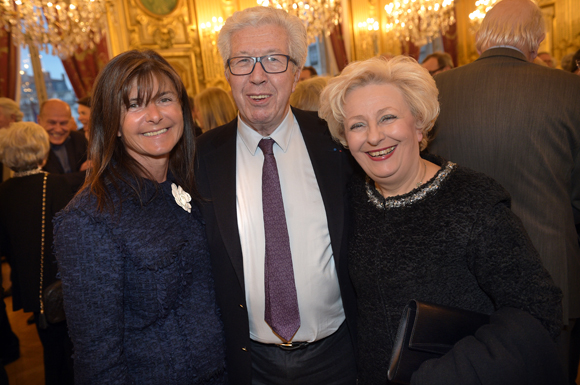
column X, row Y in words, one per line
column 84, row 110
column 131, row 246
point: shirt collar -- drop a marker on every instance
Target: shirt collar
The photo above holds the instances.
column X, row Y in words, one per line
column 508, row 46
column 281, row 135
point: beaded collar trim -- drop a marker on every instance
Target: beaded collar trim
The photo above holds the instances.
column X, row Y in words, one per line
column 413, row 196
column 28, row 172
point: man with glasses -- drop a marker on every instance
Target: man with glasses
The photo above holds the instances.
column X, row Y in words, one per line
column 275, row 212
column 437, row 62
column 519, row 123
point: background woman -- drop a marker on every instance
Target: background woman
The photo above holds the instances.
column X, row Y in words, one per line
column 214, row 107
column 24, row 147
column 306, row 96
column 427, row 229
column 84, row 110
column 131, row 246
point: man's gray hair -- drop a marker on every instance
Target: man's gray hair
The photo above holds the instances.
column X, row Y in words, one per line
column 260, row 16
column 516, row 23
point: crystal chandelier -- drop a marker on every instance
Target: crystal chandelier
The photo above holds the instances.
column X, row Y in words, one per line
column 481, row 9
column 209, row 32
column 419, row 21
column 65, row 25
column 319, row 16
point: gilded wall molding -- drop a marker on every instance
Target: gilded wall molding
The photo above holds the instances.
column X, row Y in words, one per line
column 163, row 26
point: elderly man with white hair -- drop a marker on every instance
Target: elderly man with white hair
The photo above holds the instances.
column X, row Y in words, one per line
column 519, row 123
column 276, row 215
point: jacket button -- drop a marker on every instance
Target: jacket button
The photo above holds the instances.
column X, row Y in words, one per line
column 244, row 349
column 242, row 306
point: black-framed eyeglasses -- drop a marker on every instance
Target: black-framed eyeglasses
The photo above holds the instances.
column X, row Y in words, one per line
column 434, row 72
column 272, row 64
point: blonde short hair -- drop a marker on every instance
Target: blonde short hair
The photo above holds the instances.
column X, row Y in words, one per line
column 306, row 96
column 516, row 23
column 215, row 107
column 10, row 107
column 260, row 16
column 411, row 79
column 23, row 146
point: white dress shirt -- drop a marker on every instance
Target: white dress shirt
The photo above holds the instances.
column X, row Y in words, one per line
column 319, row 301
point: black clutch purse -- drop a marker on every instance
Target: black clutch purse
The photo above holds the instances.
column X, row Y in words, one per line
column 428, row 331
column 53, row 303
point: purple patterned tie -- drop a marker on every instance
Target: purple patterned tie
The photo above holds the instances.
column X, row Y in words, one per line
column 281, row 301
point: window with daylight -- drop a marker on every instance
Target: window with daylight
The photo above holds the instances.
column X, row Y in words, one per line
column 55, row 79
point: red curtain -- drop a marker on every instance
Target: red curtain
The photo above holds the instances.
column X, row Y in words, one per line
column 339, row 47
column 411, row 49
column 9, row 65
column 83, row 67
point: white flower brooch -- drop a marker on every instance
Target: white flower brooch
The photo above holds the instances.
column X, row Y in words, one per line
column 181, row 197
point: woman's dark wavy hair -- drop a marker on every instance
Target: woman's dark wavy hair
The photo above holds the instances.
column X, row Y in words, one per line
column 111, row 164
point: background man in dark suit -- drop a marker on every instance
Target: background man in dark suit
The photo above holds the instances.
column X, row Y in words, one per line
column 263, row 50
column 520, row 123
column 437, row 62
column 68, row 149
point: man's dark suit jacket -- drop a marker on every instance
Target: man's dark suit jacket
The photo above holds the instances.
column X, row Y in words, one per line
column 76, row 149
column 216, row 178
column 519, row 123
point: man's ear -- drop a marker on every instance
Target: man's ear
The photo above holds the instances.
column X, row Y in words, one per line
column 533, row 53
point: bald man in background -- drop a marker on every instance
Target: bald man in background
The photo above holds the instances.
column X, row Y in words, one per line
column 68, row 149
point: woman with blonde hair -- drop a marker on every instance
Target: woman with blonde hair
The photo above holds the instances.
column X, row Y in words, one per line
column 427, row 229
column 214, row 107
column 30, row 199
column 306, row 96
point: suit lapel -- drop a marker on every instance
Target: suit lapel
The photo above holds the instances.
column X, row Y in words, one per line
column 70, row 146
column 52, row 163
column 220, row 166
column 325, row 155
column 326, row 159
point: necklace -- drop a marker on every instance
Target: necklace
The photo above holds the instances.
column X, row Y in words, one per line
column 432, row 185
column 422, row 176
column 28, row 172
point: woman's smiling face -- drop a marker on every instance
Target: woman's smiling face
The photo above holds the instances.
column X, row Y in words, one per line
column 149, row 131
column 381, row 133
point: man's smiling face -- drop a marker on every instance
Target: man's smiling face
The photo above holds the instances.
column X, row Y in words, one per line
column 55, row 119
column 262, row 98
